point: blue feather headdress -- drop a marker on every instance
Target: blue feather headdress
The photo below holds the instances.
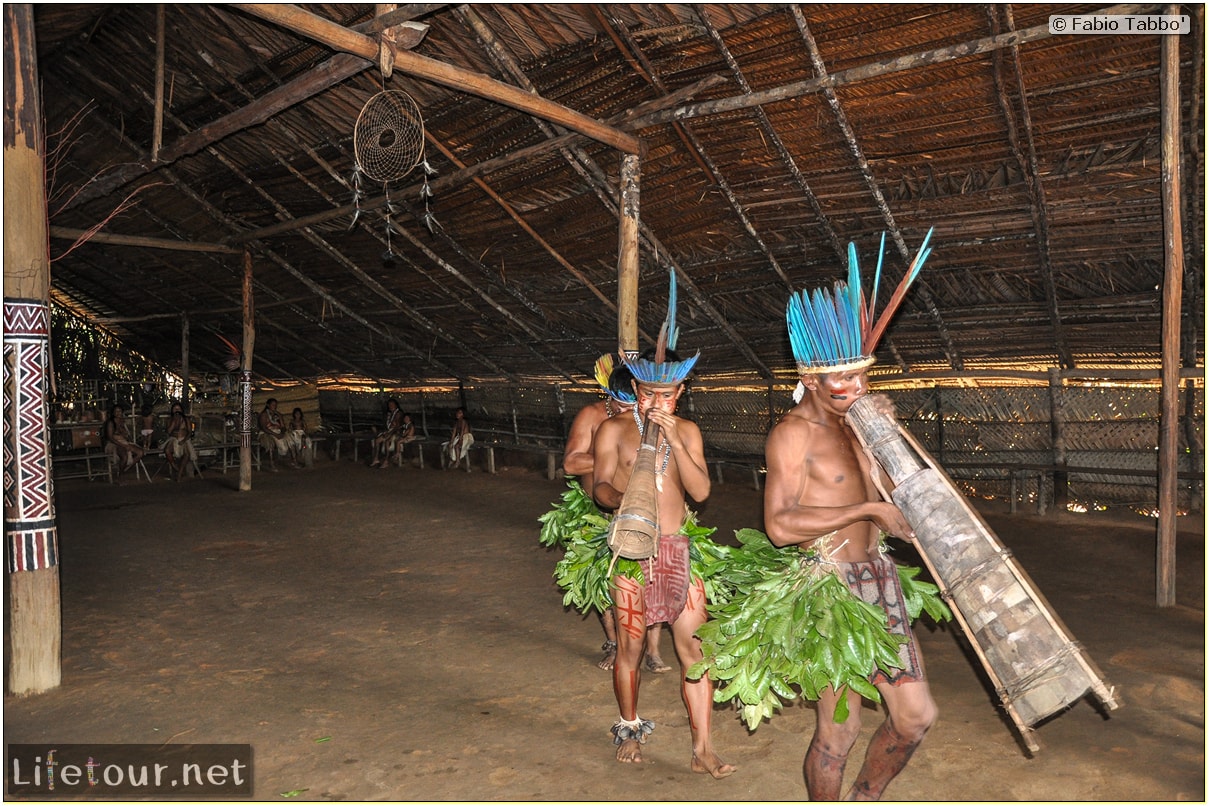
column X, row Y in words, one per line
column 832, row 330
column 662, row 372
column 604, row 376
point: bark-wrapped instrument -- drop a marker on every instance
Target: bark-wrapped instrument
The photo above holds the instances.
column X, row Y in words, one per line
column 634, row 531
column 1037, row 668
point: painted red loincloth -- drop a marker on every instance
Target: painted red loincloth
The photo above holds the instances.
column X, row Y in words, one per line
column 667, row 578
column 876, row 582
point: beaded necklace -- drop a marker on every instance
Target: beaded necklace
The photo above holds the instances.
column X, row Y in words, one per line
column 667, row 449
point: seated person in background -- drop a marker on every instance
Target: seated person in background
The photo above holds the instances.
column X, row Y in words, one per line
column 117, row 440
column 179, row 445
column 407, row 433
column 273, row 435
column 384, row 442
column 146, row 427
column 299, row 437
column 460, row 440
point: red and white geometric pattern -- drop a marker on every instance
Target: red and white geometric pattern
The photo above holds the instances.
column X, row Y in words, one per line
column 29, row 502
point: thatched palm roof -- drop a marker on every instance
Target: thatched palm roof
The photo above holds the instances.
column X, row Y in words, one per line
column 772, row 135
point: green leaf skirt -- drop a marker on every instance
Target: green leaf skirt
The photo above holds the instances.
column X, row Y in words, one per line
column 577, row 526
column 783, row 625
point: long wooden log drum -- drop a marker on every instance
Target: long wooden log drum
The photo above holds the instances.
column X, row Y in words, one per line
column 1037, row 668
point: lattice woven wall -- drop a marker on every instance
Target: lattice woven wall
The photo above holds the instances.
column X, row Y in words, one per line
column 976, row 434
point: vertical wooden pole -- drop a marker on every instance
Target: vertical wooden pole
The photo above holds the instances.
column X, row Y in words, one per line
column 1173, row 290
column 940, row 426
column 185, row 360
column 249, row 342
column 516, row 430
column 1196, row 449
column 561, row 400
column 386, row 41
column 157, row 131
column 35, row 609
column 627, row 256
column 1057, row 432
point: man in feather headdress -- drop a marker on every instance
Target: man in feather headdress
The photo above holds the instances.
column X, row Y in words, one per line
column 821, row 492
column 667, row 592
column 578, row 461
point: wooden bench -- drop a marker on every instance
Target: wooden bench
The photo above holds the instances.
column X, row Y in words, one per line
column 355, row 437
column 749, row 463
column 94, row 460
column 419, row 442
column 489, row 447
column 227, row 454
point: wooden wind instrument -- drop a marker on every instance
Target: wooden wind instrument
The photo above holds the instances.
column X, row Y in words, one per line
column 1037, row 668
column 634, row 532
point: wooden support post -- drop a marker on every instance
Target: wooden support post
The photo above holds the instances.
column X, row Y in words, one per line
column 940, row 425
column 1057, row 428
column 249, row 343
column 516, row 429
column 157, row 128
column 1173, row 289
column 1196, row 448
column 185, row 361
column 627, row 256
column 561, row 400
column 31, row 536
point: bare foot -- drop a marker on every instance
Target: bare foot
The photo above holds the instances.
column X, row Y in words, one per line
column 630, row 752
column 655, row 664
column 610, row 655
column 715, row 766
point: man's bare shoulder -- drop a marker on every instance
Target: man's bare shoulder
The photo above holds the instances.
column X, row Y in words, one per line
column 794, row 424
column 590, row 417
column 614, row 425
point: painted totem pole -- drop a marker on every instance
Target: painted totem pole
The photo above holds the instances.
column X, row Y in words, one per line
column 31, row 536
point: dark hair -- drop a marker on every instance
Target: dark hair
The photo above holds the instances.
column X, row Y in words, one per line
column 392, row 400
column 619, row 380
column 270, row 400
column 668, row 355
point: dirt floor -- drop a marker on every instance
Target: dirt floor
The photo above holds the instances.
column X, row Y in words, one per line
column 397, row 635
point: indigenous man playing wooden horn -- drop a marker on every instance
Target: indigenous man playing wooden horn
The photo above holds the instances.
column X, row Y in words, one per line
column 578, row 461
column 821, row 492
column 667, row 593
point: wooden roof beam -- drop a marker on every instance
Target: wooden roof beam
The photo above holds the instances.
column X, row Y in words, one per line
column 333, row 71
column 864, row 72
column 879, row 198
column 771, row 134
column 1025, row 152
column 323, row 245
column 633, row 54
column 218, row 216
column 344, row 39
column 70, row 234
column 364, row 277
column 598, row 182
column 486, row 166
